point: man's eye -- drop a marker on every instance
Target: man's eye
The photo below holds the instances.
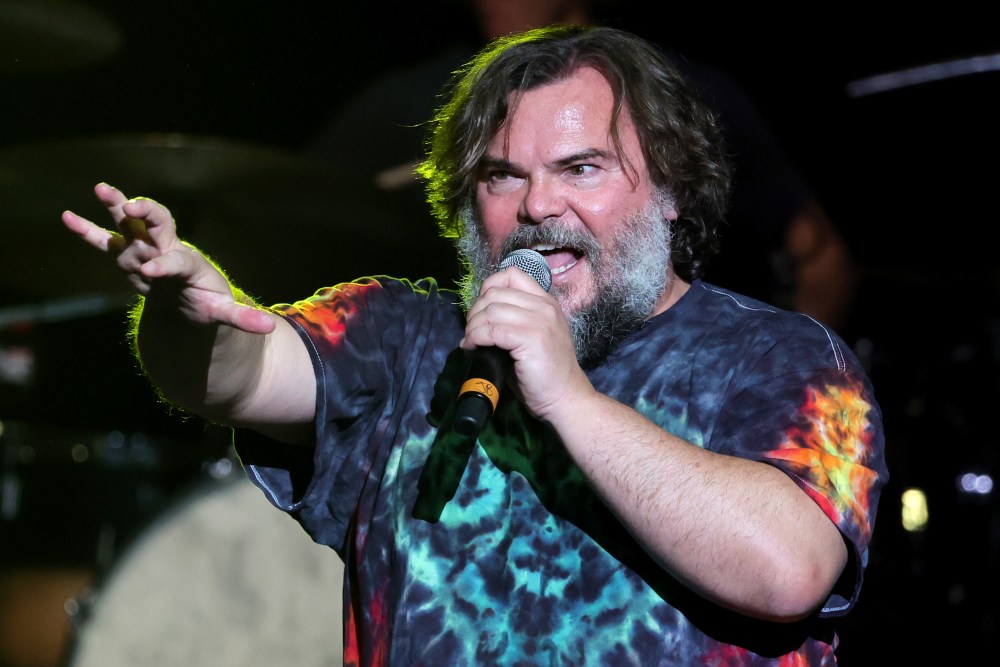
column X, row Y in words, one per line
column 504, row 181
column 580, row 169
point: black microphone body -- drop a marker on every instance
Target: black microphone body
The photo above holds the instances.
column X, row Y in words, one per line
column 479, row 394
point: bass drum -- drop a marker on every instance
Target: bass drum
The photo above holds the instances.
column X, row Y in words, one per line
column 222, row 578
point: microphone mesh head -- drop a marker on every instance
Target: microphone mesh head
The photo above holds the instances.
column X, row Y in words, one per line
column 532, row 263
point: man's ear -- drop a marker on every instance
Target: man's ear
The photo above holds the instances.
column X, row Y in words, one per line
column 668, row 204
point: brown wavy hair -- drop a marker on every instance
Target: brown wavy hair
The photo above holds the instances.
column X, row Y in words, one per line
column 679, row 135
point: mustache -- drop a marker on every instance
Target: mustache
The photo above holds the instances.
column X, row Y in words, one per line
column 578, row 240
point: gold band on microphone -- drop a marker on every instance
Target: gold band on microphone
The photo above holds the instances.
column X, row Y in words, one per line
column 481, row 386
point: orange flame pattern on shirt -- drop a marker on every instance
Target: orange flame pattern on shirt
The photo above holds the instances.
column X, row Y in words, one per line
column 828, row 456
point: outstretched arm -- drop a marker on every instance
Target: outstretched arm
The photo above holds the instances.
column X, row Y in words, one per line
column 205, row 346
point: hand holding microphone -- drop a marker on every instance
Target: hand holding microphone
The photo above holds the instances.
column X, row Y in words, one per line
column 476, row 401
column 480, row 392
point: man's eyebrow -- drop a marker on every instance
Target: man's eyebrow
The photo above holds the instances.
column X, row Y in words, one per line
column 496, row 163
column 582, row 156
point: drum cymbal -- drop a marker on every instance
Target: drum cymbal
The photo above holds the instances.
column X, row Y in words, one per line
column 45, row 36
column 283, row 225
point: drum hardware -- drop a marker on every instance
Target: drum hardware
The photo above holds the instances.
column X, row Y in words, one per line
column 220, row 577
column 70, row 497
column 923, row 74
column 72, row 500
column 58, row 310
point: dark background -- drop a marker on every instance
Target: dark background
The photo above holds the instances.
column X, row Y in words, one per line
column 207, row 107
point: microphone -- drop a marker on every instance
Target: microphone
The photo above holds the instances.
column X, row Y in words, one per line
column 479, row 394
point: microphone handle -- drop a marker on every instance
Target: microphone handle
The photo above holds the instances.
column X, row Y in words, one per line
column 480, row 392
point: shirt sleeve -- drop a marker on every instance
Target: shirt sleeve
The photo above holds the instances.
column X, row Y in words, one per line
column 365, row 339
column 829, row 438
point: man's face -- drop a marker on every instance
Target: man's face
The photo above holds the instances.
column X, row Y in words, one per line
column 552, row 179
column 561, row 189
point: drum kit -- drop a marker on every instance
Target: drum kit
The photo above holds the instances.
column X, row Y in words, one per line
column 107, row 508
column 219, row 578
column 119, row 547
column 122, row 542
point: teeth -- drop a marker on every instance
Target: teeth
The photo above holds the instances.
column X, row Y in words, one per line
column 561, row 269
column 545, row 247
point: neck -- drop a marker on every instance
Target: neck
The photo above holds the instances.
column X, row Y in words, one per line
column 672, row 293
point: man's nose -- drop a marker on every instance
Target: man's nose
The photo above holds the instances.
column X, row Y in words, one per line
column 543, row 200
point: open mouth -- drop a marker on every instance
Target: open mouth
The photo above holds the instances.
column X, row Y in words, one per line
column 559, row 258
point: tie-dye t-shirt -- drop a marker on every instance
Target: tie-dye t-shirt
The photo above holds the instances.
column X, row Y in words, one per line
column 495, row 551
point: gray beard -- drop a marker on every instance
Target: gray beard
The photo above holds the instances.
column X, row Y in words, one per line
column 629, row 275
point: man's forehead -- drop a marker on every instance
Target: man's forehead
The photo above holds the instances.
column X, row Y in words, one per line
column 585, row 83
column 570, row 116
column 582, row 101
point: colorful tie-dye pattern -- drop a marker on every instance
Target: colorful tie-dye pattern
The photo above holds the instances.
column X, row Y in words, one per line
column 496, row 552
column 828, row 455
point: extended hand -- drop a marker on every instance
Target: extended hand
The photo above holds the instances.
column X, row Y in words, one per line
column 160, row 266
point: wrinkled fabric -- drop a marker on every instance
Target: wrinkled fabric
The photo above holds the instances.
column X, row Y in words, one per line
column 497, row 552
